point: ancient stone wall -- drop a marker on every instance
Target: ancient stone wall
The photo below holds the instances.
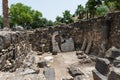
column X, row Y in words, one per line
column 93, row 36
column 13, row 49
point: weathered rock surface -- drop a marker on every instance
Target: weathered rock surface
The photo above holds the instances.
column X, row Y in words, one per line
column 49, row 73
column 102, row 65
column 113, row 53
column 74, row 71
column 98, row 76
column 114, row 74
column 68, row 45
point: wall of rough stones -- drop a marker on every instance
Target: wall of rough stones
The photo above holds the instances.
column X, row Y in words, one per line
column 14, row 47
column 94, row 36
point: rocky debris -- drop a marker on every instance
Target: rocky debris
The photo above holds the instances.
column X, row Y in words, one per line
column 67, row 79
column 114, row 74
column 80, row 77
column 14, row 48
column 83, row 58
column 74, row 71
column 98, row 76
column 29, row 71
column 42, row 64
column 116, row 62
column 108, row 67
column 113, row 53
column 19, row 76
column 77, row 73
column 49, row 73
column 18, row 28
column 39, row 53
column 79, row 52
column 54, row 53
column 102, row 65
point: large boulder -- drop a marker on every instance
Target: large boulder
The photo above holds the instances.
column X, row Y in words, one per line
column 113, row 53
column 115, row 74
column 5, row 40
column 98, row 76
column 102, row 65
column 68, row 45
column 49, row 73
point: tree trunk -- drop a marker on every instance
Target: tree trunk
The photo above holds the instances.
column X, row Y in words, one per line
column 5, row 13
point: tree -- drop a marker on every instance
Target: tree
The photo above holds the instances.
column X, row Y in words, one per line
column 102, row 10
column 112, row 4
column 23, row 15
column 67, row 17
column 5, row 13
column 80, row 11
column 91, row 6
column 49, row 23
column 59, row 19
column 1, row 22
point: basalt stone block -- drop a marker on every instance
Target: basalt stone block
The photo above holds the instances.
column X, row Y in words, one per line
column 116, row 63
column 80, row 77
column 115, row 74
column 54, row 53
column 113, row 53
column 74, row 71
column 98, row 76
column 102, row 65
column 5, row 40
column 49, row 73
column 42, row 64
column 68, row 45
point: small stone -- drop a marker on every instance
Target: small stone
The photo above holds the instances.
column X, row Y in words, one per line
column 74, row 71
column 29, row 71
column 42, row 64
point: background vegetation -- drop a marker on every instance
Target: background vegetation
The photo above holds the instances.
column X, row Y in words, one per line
column 20, row 14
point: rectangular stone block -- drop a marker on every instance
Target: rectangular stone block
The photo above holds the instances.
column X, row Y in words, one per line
column 98, row 76
column 49, row 73
column 102, row 65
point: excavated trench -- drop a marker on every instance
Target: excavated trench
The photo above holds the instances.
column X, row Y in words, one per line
column 85, row 50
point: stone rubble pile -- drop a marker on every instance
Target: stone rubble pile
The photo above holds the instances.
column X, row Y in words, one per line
column 108, row 68
column 13, row 49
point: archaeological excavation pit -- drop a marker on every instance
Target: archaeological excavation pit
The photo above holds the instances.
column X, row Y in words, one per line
column 85, row 50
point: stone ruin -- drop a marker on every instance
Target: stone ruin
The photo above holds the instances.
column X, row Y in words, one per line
column 93, row 37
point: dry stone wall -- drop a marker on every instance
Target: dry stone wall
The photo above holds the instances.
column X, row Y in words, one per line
column 14, row 47
column 94, row 36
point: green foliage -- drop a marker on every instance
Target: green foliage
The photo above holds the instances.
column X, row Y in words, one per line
column 59, row 19
column 23, row 15
column 112, row 4
column 1, row 22
column 50, row 23
column 56, row 23
column 80, row 11
column 66, row 19
column 102, row 10
column 91, row 6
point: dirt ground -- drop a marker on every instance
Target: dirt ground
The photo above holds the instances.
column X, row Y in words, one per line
column 60, row 63
column 63, row 60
